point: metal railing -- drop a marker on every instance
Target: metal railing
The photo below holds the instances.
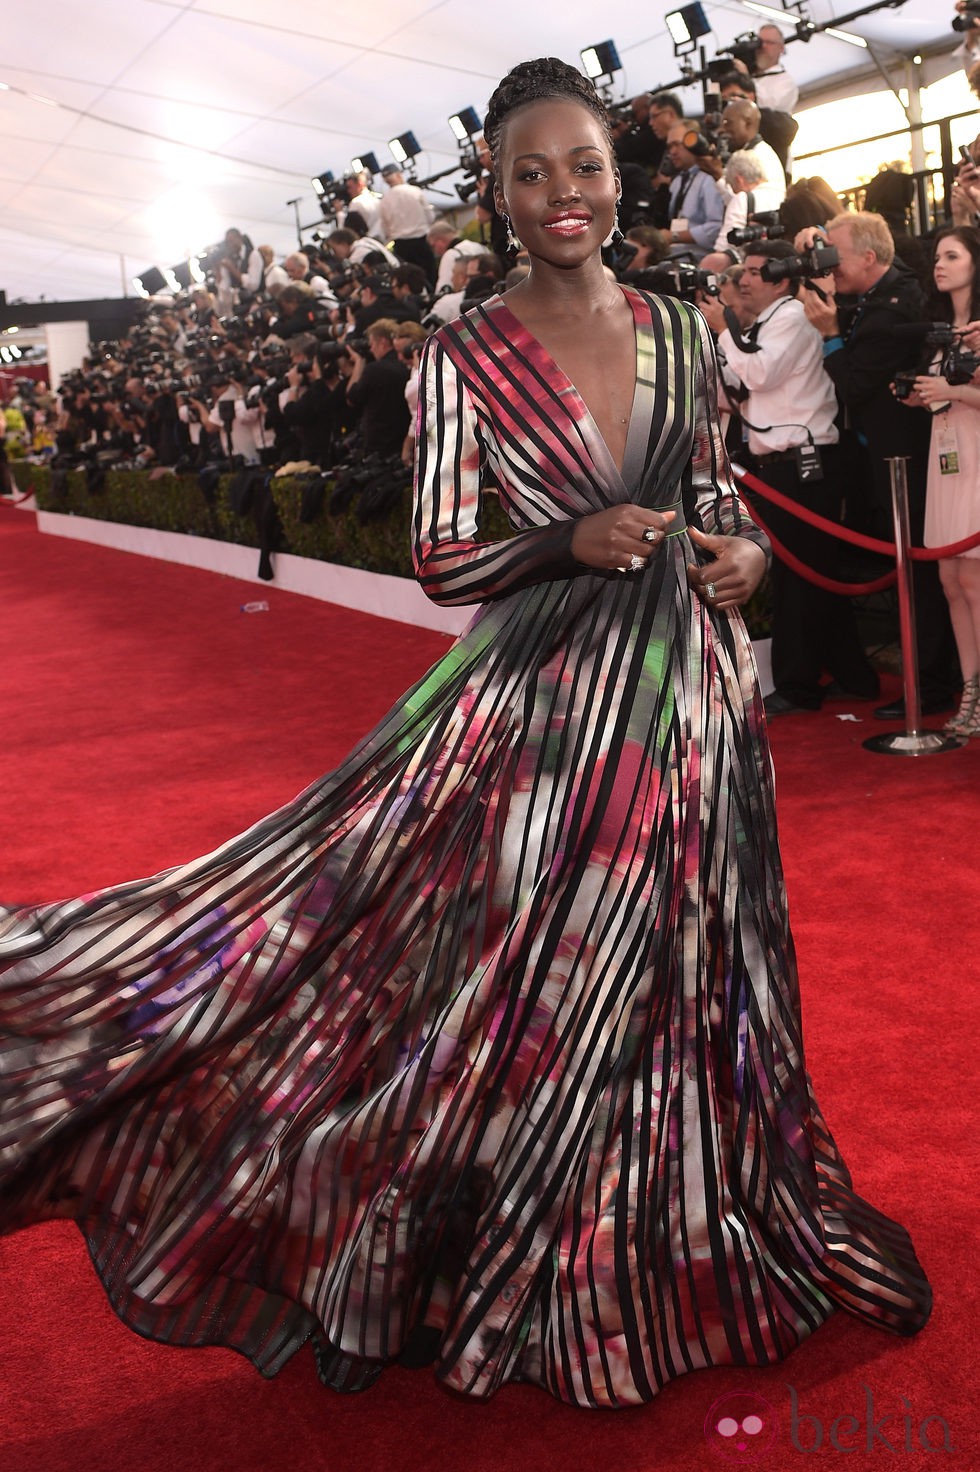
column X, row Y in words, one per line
column 930, row 203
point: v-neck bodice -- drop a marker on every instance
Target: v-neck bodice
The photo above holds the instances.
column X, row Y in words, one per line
column 531, row 346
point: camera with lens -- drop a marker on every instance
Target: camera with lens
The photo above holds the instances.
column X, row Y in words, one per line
column 904, row 382
column 766, row 225
column 819, row 260
column 958, row 364
column 680, row 279
column 359, row 345
column 969, row 17
column 745, row 48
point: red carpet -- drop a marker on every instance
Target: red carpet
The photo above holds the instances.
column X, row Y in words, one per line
column 146, row 719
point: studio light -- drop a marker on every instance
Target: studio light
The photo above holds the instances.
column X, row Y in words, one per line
column 322, row 182
column 186, row 274
column 465, row 124
column 600, row 60
column 403, row 148
column 150, row 281
column 365, row 163
column 686, row 27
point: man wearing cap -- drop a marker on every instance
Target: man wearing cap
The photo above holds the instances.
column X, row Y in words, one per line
column 405, row 220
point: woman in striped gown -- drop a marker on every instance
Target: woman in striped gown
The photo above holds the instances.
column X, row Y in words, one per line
column 486, row 1049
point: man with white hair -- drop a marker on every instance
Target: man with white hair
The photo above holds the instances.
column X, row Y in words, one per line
column 748, row 192
column 297, row 268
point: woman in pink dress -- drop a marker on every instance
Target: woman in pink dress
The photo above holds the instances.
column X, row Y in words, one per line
column 953, row 486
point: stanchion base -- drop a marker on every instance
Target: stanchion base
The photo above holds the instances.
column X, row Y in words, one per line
column 913, row 743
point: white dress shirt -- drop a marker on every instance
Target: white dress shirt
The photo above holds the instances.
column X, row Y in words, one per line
column 447, row 261
column 764, row 197
column 368, row 206
column 405, row 213
column 777, row 90
column 789, row 392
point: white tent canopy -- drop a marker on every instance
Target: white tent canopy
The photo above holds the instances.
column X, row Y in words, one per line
column 135, row 131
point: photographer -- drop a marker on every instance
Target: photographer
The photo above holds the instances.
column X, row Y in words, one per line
column 862, row 355
column 790, row 411
column 406, row 217
column 376, row 390
column 695, row 207
column 448, row 246
column 739, row 127
column 774, row 87
column 297, row 311
column 239, row 272
column 312, row 410
column 776, row 127
column 965, row 195
column 952, row 393
column 748, row 193
column 362, row 202
column 298, row 268
column 239, row 423
column 375, row 300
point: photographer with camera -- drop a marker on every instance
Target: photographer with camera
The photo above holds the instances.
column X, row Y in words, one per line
column 774, row 87
column 448, row 246
column 297, row 267
column 406, row 217
column 361, row 201
column 951, row 392
column 749, row 195
column 376, row 390
column 856, row 311
column 776, row 127
column 695, row 208
column 789, row 413
column 313, row 411
column 239, row 272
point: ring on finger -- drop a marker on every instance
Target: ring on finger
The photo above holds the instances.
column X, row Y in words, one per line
column 637, row 564
column 710, row 591
column 653, row 534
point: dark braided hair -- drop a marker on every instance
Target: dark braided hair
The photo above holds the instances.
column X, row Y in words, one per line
column 533, row 81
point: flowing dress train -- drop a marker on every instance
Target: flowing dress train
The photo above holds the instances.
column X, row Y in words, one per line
column 495, row 1029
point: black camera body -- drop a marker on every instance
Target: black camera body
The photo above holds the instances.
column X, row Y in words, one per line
column 766, row 225
column 819, row 260
column 969, row 18
column 745, row 48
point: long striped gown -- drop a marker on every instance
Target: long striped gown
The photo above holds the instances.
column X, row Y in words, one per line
column 494, row 1031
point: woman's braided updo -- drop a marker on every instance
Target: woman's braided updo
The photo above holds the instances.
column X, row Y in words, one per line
column 533, row 81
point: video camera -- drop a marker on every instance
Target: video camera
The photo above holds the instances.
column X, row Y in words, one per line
column 745, row 48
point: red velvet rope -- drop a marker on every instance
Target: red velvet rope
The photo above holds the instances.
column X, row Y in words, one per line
column 843, row 533
column 17, row 500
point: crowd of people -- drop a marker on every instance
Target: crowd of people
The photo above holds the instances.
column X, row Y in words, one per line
column 313, row 361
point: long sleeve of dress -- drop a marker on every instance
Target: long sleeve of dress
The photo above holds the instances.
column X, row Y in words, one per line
column 451, row 565
column 717, row 504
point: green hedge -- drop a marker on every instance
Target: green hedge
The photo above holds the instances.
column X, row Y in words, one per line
column 176, row 503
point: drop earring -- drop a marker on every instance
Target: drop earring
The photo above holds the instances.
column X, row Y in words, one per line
column 617, row 237
column 512, row 241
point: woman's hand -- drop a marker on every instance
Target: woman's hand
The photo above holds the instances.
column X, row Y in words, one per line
column 608, row 540
column 931, row 389
column 734, row 573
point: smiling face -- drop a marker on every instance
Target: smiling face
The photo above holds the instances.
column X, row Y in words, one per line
column 557, row 181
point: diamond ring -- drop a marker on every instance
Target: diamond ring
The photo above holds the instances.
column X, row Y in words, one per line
column 710, row 591
column 652, row 534
column 636, row 563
